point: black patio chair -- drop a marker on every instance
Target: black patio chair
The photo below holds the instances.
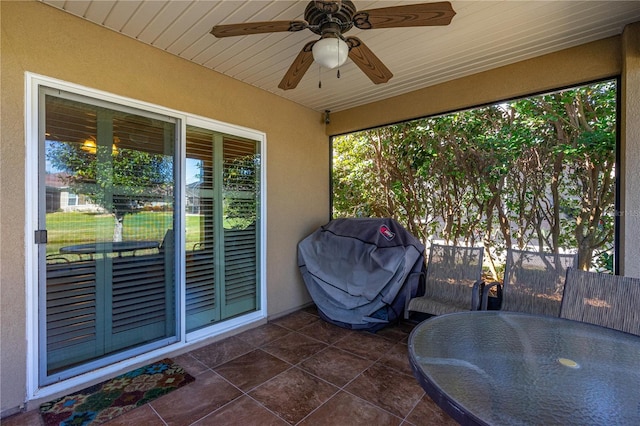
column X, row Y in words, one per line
column 603, row 299
column 452, row 281
column 533, row 282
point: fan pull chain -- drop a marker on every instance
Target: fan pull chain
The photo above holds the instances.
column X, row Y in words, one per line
column 319, row 77
column 338, row 73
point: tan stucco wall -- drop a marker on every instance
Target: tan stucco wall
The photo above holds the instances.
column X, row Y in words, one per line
column 630, row 147
column 565, row 68
column 43, row 40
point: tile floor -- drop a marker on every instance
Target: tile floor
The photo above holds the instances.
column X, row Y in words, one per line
column 295, row 370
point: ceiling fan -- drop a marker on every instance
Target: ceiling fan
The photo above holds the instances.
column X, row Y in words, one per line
column 330, row 20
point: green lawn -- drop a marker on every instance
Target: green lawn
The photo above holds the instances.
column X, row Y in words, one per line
column 77, row 228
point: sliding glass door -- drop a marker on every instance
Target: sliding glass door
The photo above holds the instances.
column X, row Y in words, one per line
column 148, row 229
column 107, row 216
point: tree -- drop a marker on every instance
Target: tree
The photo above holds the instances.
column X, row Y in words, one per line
column 240, row 182
column 585, row 121
column 377, row 176
column 120, row 180
column 537, row 171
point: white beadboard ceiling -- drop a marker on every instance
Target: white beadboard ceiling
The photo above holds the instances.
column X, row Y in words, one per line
column 482, row 35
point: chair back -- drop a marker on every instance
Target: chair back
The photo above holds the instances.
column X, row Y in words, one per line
column 534, row 281
column 452, row 272
column 611, row 301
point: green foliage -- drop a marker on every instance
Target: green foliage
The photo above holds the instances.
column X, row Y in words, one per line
column 604, row 262
column 536, row 171
column 240, row 188
column 120, row 181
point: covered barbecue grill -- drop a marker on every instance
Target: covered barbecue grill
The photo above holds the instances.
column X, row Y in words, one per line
column 359, row 271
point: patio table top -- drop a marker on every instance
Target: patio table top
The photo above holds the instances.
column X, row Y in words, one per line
column 497, row 367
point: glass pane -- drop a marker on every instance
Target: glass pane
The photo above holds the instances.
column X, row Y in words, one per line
column 201, row 293
column 241, row 172
column 222, row 237
column 109, row 185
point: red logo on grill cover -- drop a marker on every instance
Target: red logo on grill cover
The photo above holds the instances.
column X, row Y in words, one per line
column 386, row 232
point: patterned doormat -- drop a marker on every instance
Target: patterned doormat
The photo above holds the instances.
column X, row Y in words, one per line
column 104, row 401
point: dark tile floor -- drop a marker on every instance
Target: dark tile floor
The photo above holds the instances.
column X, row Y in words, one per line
column 296, row 370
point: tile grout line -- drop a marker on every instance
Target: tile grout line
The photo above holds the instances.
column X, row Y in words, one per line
column 261, row 347
column 225, row 404
column 413, row 408
column 297, row 366
column 292, row 366
column 374, row 405
column 320, row 406
column 157, row 414
column 343, row 387
column 266, row 408
column 334, row 340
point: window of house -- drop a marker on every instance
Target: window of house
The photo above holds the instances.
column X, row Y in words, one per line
column 72, row 200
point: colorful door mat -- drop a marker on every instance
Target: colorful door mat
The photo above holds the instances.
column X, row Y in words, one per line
column 104, row 401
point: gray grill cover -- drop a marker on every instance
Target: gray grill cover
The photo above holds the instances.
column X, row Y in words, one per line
column 358, row 271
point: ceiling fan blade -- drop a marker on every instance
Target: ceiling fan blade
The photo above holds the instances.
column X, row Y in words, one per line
column 248, row 28
column 297, row 69
column 369, row 63
column 411, row 15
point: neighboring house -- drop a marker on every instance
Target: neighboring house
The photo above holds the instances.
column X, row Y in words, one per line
column 193, row 197
column 61, row 198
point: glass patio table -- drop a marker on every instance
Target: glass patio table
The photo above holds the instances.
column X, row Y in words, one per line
column 508, row 368
column 109, row 247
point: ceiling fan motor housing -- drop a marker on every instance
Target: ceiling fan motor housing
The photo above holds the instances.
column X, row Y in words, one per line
column 321, row 22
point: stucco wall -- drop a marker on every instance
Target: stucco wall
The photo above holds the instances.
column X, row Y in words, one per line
column 593, row 61
column 43, row 40
column 630, row 147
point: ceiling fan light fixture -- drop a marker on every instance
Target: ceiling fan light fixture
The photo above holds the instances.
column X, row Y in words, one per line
column 330, row 52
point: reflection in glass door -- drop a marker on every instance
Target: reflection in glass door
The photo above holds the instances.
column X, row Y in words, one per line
column 222, row 193
column 107, row 189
